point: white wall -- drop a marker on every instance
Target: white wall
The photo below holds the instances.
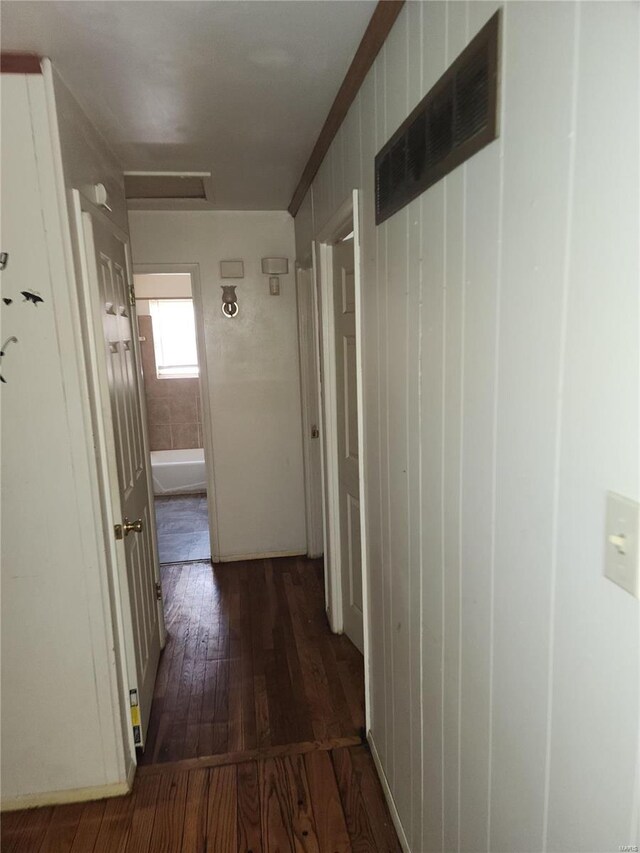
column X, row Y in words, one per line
column 62, row 735
column 501, row 390
column 253, row 371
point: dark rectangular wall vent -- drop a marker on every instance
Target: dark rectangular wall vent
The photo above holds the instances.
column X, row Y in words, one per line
column 456, row 118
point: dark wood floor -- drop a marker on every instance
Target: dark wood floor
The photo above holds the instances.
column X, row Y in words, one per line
column 254, row 741
column 321, row 802
column 250, row 662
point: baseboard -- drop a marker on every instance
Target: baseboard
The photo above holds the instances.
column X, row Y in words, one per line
column 131, row 774
column 69, row 795
column 262, row 555
column 395, row 817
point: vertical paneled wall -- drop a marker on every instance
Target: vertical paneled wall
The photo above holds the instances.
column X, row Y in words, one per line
column 501, row 386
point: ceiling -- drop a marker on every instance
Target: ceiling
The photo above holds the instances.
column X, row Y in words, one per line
column 240, row 89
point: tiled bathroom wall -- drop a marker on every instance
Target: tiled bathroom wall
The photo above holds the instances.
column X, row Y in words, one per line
column 174, row 410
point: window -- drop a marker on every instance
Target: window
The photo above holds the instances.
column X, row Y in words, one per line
column 174, row 337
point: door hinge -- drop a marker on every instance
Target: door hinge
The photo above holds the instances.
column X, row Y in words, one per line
column 132, row 295
column 158, row 590
column 135, row 716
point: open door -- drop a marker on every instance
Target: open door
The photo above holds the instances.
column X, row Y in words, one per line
column 344, row 304
column 112, row 314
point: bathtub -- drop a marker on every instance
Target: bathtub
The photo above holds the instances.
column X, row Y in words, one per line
column 178, row 472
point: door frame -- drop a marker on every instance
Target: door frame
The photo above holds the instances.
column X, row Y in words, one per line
column 117, row 591
column 309, row 356
column 346, row 217
column 207, row 429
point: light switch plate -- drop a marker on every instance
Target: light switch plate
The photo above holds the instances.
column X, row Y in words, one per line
column 622, row 554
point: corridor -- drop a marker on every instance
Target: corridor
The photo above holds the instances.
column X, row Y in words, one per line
column 255, row 738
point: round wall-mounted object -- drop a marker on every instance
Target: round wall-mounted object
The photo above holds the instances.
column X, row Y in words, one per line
column 101, row 196
column 229, row 309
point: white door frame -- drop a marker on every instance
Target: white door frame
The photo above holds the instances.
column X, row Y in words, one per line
column 103, row 432
column 207, row 430
column 338, row 226
column 309, row 356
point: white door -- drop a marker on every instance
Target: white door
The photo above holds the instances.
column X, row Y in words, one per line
column 131, row 500
column 344, row 300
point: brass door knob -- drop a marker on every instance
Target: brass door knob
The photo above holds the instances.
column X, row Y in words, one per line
column 131, row 526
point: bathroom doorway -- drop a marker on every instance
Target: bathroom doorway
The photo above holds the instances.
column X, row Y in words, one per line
column 174, row 375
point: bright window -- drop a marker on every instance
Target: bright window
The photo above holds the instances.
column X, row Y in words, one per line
column 174, row 337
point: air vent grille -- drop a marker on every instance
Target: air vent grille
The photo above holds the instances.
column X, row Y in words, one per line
column 456, row 118
column 472, row 98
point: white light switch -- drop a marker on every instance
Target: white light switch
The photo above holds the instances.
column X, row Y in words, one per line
column 622, row 555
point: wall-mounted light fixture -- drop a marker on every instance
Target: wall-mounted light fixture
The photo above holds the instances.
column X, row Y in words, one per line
column 274, row 267
column 229, row 300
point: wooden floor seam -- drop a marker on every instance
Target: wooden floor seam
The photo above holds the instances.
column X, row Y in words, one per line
column 244, row 756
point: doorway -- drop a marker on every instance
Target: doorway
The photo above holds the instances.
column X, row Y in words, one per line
column 178, row 420
column 174, row 402
column 337, row 262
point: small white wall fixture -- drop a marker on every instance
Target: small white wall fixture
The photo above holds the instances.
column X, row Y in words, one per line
column 345, row 220
column 274, row 268
column 232, row 269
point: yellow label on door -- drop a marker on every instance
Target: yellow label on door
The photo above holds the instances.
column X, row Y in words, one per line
column 135, row 715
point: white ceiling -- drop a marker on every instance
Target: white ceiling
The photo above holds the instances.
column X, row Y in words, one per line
column 238, row 88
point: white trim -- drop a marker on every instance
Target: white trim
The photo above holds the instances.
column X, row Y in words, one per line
column 131, row 774
column 338, row 225
column 207, row 429
column 345, row 219
column 329, row 409
column 362, row 470
column 395, row 817
column 68, row 795
column 260, row 555
column 315, row 261
column 308, row 350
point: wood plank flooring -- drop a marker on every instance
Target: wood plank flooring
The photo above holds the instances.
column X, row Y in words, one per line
column 254, row 744
column 250, row 662
column 321, row 802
